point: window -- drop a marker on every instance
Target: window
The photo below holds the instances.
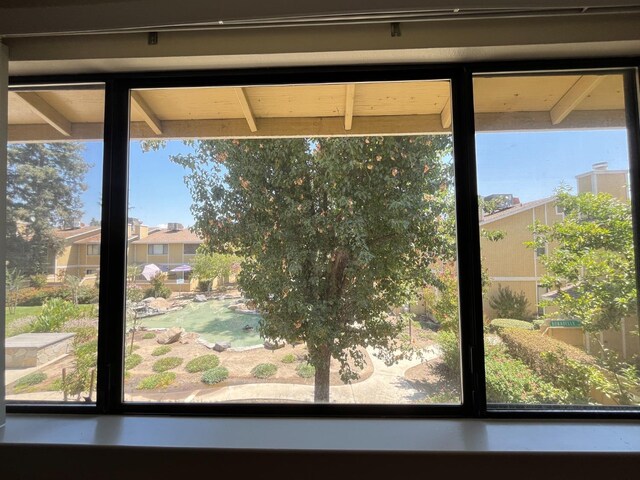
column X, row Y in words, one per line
column 162, row 249
column 582, row 278
column 190, row 248
column 367, row 242
column 54, row 190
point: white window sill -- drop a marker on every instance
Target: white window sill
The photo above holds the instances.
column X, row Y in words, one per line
column 428, row 436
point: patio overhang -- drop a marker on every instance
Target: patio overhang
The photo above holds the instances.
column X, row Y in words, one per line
column 517, row 103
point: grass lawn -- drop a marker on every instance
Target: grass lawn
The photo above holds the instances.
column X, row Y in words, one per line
column 213, row 321
column 22, row 312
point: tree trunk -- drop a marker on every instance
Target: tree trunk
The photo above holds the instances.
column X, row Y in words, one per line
column 322, row 362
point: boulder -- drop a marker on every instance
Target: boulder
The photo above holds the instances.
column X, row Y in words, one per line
column 221, row 346
column 200, row 298
column 188, row 338
column 273, row 344
column 169, row 336
column 203, row 342
column 237, row 306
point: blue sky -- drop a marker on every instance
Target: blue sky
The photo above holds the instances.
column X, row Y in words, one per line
column 528, row 165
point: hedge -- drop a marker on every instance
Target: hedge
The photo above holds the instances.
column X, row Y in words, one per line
column 500, row 323
column 564, row 365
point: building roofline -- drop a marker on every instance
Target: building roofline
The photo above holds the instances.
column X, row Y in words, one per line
column 516, row 209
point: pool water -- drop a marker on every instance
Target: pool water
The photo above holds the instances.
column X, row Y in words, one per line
column 213, row 321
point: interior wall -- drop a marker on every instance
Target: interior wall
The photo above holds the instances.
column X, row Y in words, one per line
column 29, row 17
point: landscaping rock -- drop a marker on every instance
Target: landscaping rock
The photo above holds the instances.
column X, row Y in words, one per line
column 200, row 298
column 221, row 346
column 237, row 306
column 203, row 342
column 190, row 337
column 273, row 344
column 169, row 336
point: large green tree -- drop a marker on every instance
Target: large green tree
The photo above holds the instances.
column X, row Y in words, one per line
column 334, row 233
column 590, row 264
column 44, row 186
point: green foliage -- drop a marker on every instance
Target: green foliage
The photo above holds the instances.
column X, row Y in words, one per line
column 508, row 304
column 132, row 361
column 55, row 313
column 166, row 363
column 499, row 323
column 134, row 294
column 148, row 336
column 202, row 363
column 32, row 297
column 159, row 380
column 450, row 345
column 509, row 380
column 305, row 370
column 30, row 380
column 158, row 288
column 38, row 281
column 210, row 266
column 442, row 299
column 87, row 294
column 161, row 350
column 85, row 359
column 215, row 375
column 538, row 324
column 73, row 285
column 592, row 265
column 333, row 232
column 45, row 182
column 14, row 281
column 264, row 370
column 289, row 358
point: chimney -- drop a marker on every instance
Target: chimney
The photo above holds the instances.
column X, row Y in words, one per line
column 600, row 166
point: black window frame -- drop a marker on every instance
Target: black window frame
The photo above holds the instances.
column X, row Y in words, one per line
column 114, row 231
column 184, row 248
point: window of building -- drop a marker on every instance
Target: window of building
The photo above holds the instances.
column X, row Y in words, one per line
column 190, row 248
column 343, row 245
column 158, row 249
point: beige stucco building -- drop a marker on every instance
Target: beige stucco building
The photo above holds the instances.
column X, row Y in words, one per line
column 165, row 247
column 511, row 263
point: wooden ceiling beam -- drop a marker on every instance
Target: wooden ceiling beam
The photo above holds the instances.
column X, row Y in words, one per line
column 149, row 117
column 328, row 126
column 246, row 109
column 572, row 97
column 445, row 114
column 348, row 105
column 46, row 112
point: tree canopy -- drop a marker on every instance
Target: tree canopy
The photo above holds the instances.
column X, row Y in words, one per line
column 44, row 184
column 591, row 263
column 333, row 232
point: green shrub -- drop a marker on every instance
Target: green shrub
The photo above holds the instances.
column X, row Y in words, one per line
column 499, row 323
column 450, row 345
column 215, row 375
column 264, row 370
column 565, row 366
column 87, row 294
column 29, row 381
column 35, row 297
column 538, row 324
column 305, row 370
column 289, row 358
column 508, row 304
column 132, row 361
column 204, row 285
column 55, row 313
column 148, row 336
column 509, row 380
column 162, row 350
column 134, row 294
column 165, row 364
column 158, row 288
column 38, row 280
column 159, row 380
column 83, row 334
column 202, row 363
column 79, row 379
